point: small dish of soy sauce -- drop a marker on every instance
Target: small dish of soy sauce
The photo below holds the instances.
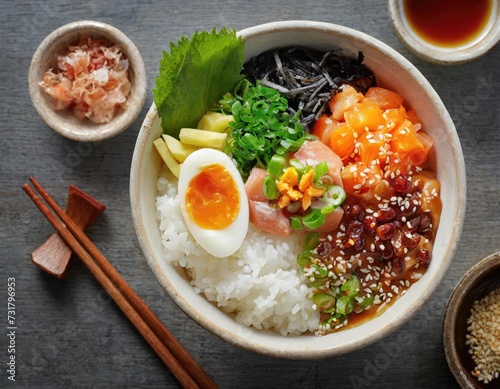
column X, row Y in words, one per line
column 447, row 31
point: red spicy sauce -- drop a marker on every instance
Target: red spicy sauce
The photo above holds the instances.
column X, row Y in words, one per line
column 448, row 23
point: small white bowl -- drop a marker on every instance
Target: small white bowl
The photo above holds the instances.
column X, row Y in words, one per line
column 64, row 122
column 445, row 55
column 393, row 71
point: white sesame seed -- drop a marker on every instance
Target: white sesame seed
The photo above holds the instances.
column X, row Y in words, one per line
column 484, row 336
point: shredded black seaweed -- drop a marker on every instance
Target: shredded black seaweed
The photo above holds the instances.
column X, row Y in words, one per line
column 308, row 78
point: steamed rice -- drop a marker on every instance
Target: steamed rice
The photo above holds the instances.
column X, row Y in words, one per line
column 260, row 283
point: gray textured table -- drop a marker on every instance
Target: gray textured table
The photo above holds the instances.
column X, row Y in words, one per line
column 69, row 334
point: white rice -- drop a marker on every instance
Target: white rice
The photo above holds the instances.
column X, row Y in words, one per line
column 260, row 283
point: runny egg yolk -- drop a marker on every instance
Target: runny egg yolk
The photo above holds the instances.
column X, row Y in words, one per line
column 212, row 198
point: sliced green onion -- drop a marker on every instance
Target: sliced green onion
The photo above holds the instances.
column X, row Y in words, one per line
column 335, row 195
column 296, row 223
column 333, row 317
column 311, row 241
column 294, row 207
column 351, row 286
column 320, row 170
column 367, row 301
column 328, row 209
column 296, row 164
column 260, row 108
column 314, row 219
column 304, row 259
column 364, row 304
column 345, row 305
column 235, row 110
column 276, row 165
column 318, row 283
column 270, row 189
column 326, row 180
column 260, row 113
column 330, row 310
column 321, row 271
column 323, row 301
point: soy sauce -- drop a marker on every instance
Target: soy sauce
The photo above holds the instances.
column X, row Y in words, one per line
column 448, row 23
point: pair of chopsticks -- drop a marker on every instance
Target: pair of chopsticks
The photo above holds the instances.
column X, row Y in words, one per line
column 181, row 364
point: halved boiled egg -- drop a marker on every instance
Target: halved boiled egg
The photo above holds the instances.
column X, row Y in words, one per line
column 213, row 201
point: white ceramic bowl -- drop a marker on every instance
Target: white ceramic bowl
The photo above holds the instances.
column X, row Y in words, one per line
column 445, row 55
column 64, row 122
column 393, row 71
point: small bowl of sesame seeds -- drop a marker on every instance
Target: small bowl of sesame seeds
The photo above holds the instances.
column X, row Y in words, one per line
column 471, row 327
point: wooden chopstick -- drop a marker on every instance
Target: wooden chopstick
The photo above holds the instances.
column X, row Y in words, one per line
column 184, row 368
column 198, row 374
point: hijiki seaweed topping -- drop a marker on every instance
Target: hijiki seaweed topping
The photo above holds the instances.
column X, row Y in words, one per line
column 308, row 78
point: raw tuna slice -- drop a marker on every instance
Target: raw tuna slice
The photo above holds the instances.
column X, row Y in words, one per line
column 254, row 185
column 268, row 218
column 313, row 152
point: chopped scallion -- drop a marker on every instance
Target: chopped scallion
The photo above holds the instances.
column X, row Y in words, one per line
column 270, row 189
column 311, row 241
column 321, row 271
column 296, row 223
column 262, row 127
column 328, row 209
column 320, row 170
column 314, row 219
column 323, row 301
column 335, row 195
column 294, row 207
column 304, row 259
column 351, row 287
column 276, row 165
column 345, row 305
column 296, row 164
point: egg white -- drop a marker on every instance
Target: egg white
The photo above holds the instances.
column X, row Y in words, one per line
column 224, row 242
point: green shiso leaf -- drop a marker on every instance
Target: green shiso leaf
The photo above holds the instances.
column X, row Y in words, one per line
column 194, row 76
